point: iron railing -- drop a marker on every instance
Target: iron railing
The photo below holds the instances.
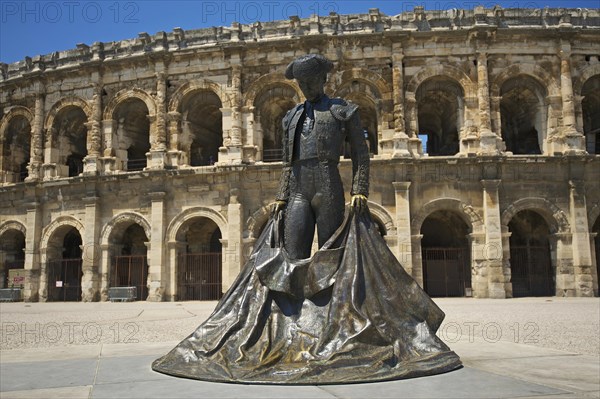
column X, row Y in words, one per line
column 131, row 271
column 199, row 276
column 531, row 271
column 446, row 271
column 272, row 155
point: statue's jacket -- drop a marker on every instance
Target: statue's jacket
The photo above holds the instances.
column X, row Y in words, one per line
column 336, row 121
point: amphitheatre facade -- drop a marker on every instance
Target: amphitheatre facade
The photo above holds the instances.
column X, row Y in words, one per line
column 151, row 162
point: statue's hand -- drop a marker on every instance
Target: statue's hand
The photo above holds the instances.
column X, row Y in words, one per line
column 359, row 202
column 277, row 206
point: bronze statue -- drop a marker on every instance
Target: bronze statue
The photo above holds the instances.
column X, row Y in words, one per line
column 349, row 312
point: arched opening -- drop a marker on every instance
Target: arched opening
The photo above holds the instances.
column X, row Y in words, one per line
column 591, row 114
column 133, row 133
column 523, row 115
column 16, row 149
column 445, row 254
column 440, row 106
column 271, row 106
column 202, row 124
column 199, row 264
column 129, row 266
column 71, row 135
column 531, row 268
column 596, row 248
column 12, row 257
column 64, row 265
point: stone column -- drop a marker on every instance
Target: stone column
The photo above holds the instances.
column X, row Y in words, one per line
column 487, row 138
column 91, row 279
column 403, row 225
column 94, row 134
column 104, row 271
column 37, row 142
column 574, row 140
column 158, row 127
column 560, row 249
column 415, row 145
column 417, row 259
column 175, row 248
column 32, row 252
column 110, row 163
column 492, row 252
column 506, row 261
column 582, row 253
column 595, row 276
column 157, row 275
column 397, row 145
column 478, row 266
column 232, row 261
column 175, row 157
column 231, row 152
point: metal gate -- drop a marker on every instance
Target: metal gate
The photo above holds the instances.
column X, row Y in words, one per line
column 199, row 276
column 531, row 271
column 446, row 271
column 131, row 271
column 64, row 280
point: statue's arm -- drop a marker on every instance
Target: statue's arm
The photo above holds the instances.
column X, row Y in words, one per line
column 360, row 156
column 284, row 181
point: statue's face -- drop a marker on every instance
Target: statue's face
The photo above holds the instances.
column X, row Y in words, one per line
column 312, row 87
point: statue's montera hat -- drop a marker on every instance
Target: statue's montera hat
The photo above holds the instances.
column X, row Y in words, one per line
column 307, row 66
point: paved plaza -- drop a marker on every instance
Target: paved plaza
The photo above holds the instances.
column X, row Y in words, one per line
column 525, row 348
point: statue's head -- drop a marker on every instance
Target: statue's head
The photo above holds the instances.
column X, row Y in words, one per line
column 310, row 71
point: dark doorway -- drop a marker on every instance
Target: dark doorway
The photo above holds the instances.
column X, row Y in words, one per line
column 130, row 268
column 64, row 274
column 445, row 255
column 531, row 268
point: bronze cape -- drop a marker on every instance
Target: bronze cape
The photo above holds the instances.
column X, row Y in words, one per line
column 348, row 314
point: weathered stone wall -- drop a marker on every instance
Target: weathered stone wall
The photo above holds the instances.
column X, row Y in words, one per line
column 201, row 105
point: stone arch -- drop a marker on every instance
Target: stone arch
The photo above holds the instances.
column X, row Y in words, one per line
column 195, row 85
column 13, row 113
column 555, row 218
column 468, row 86
column 383, row 217
column 257, row 220
column 473, row 219
column 190, row 213
column 371, row 78
column 535, row 71
column 264, row 83
column 12, row 225
column 134, row 217
column 59, row 222
column 125, row 94
column 583, row 76
column 64, row 103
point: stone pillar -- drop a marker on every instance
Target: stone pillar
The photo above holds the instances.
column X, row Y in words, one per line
column 94, row 134
column 90, row 281
column 562, row 262
column 157, row 274
column 104, row 271
column 399, row 140
column 487, row 139
column 480, row 273
column 574, row 140
column 415, row 144
column 582, row 253
column 175, row 248
column 493, row 253
column 403, row 225
column 110, row 163
column 232, row 261
column 37, row 142
column 158, row 124
column 417, row 259
column 175, row 157
column 595, row 276
column 32, row 252
column 506, row 261
column 231, row 152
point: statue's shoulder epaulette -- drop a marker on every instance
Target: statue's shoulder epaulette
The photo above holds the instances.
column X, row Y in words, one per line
column 341, row 109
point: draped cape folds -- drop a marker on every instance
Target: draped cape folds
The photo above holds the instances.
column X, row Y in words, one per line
column 350, row 313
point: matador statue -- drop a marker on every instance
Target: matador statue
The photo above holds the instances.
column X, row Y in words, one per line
column 347, row 313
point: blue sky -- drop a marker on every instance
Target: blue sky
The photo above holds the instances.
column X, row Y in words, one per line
column 29, row 28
